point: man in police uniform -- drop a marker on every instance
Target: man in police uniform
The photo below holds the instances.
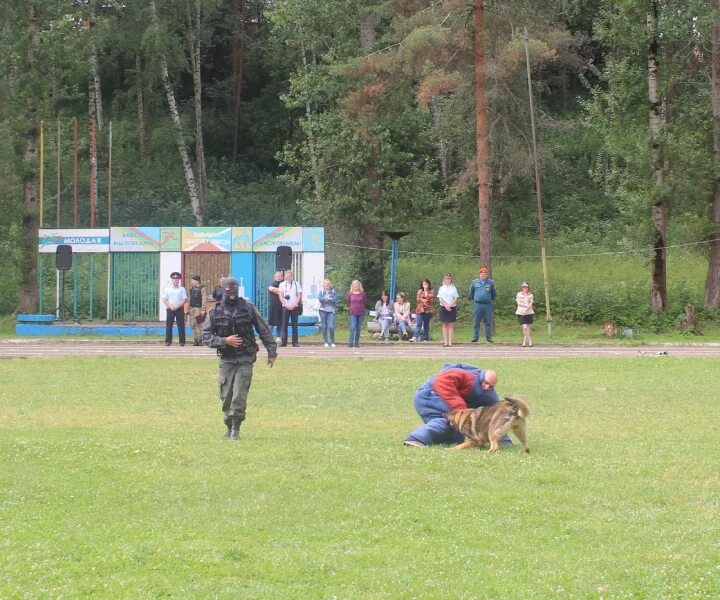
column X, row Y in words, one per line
column 230, row 328
column 482, row 294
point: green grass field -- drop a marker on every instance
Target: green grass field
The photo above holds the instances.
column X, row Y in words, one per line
column 115, row 484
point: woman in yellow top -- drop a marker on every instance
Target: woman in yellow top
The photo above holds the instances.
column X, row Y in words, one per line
column 524, row 300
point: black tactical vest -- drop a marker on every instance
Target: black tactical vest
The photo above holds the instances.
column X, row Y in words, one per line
column 196, row 297
column 236, row 320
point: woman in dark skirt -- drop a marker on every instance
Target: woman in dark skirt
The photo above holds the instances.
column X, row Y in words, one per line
column 447, row 295
column 275, row 308
column 525, row 300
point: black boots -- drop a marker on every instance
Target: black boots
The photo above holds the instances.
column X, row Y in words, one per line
column 235, row 429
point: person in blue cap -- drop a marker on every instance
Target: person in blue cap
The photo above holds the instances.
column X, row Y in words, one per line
column 456, row 387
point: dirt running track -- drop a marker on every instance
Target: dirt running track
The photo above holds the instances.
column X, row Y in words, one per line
column 52, row 347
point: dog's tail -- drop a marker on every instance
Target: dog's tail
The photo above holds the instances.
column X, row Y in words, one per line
column 519, row 407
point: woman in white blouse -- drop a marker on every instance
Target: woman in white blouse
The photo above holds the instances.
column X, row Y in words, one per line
column 524, row 300
column 448, row 295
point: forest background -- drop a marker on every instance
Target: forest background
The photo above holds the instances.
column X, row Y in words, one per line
column 360, row 115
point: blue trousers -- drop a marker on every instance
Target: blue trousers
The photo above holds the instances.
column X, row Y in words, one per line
column 356, row 322
column 423, row 323
column 435, row 428
column 482, row 312
column 327, row 326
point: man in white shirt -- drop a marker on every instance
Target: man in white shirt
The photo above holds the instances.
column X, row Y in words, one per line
column 290, row 294
column 175, row 299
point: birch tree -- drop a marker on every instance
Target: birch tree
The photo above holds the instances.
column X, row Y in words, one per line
column 194, row 34
column 190, row 182
column 653, row 124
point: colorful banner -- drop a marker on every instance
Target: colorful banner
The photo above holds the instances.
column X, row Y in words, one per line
column 184, row 239
column 267, row 239
column 206, row 239
column 81, row 240
column 242, row 239
column 170, row 238
column 313, row 239
column 134, row 239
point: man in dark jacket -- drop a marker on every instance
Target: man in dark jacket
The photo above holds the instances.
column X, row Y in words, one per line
column 230, row 328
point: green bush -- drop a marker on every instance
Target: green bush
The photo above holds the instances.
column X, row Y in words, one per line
column 584, row 290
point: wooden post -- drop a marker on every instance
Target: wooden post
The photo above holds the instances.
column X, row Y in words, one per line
column 41, row 166
column 110, row 174
column 75, row 172
column 538, row 191
column 57, row 168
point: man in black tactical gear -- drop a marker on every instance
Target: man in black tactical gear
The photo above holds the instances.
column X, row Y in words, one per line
column 198, row 301
column 230, row 328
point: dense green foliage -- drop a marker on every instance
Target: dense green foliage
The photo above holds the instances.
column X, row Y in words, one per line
column 359, row 115
column 133, row 494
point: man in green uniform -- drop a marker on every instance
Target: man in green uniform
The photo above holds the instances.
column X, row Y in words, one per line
column 230, row 328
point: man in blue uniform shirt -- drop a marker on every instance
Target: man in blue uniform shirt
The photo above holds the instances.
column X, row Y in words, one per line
column 175, row 299
column 482, row 294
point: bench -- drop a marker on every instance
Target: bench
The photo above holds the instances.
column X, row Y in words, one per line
column 374, row 326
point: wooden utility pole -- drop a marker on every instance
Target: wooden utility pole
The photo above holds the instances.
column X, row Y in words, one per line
column 538, row 191
column 58, row 178
column 109, row 192
column 41, row 189
column 75, row 172
column 482, row 145
column 712, row 284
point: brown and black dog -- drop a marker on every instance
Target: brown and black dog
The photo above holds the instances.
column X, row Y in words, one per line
column 490, row 423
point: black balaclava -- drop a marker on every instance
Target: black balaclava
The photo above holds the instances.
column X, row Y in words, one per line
column 231, row 295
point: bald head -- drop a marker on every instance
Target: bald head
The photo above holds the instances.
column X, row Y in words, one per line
column 490, row 380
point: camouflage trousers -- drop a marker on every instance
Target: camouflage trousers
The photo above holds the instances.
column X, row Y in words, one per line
column 196, row 328
column 233, row 385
